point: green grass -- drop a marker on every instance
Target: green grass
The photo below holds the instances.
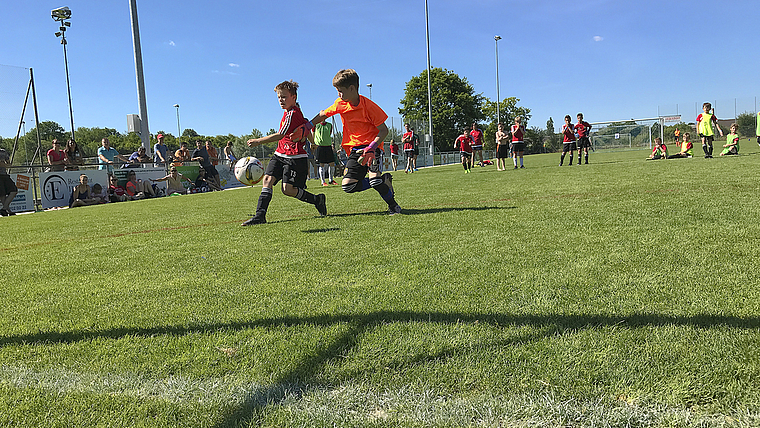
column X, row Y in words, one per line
column 624, row 293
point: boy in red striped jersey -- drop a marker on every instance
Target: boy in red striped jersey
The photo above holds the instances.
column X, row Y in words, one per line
column 582, row 128
column 464, row 143
column 568, row 140
column 518, row 144
column 289, row 162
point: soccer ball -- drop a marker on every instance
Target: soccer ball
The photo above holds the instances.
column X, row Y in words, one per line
column 249, row 170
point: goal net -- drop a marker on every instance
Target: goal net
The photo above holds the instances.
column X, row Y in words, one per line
column 624, row 135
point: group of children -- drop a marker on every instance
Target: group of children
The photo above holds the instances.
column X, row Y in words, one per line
column 575, row 137
column 364, row 131
column 470, row 144
column 706, row 125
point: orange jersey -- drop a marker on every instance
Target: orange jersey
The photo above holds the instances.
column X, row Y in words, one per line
column 359, row 122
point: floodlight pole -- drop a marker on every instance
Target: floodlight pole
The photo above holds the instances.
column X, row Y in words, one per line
column 498, row 97
column 179, row 133
column 430, row 95
column 62, row 34
column 144, row 133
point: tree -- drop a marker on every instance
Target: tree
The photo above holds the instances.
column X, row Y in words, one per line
column 190, row 132
column 455, row 104
column 746, row 124
column 551, row 139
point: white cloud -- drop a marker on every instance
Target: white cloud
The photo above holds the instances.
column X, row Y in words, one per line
column 232, row 64
column 171, row 43
column 598, row 38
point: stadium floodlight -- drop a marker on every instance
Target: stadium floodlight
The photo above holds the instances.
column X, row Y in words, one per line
column 61, row 13
column 369, row 85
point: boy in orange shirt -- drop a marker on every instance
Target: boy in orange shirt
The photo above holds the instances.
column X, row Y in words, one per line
column 363, row 133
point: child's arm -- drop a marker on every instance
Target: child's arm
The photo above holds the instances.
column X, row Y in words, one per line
column 253, row 142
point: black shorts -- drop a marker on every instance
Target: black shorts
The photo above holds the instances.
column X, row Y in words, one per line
column 325, row 154
column 416, row 151
column 502, row 152
column 569, row 147
column 518, row 147
column 357, row 171
column 477, row 148
column 293, row 171
column 394, row 155
column 409, row 153
column 465, row 155
column 584, row 142
column 7, row 186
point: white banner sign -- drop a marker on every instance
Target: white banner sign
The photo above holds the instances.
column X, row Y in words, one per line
column 24, row 200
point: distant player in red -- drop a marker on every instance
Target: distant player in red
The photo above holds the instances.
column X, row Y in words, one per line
column 518, row 144
column 394, row 154
column 583, row 128
column 410, row 141
column 568, row 140
column 289, row 162
column 477, row 142
column 464, row 144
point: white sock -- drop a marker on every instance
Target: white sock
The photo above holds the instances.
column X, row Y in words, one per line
column 321, row 174
column 331, row 171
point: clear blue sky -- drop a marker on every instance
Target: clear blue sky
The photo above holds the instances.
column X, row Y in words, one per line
column 220, row 60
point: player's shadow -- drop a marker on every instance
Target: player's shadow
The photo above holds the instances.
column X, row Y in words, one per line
column 421, row 211
column 305, row 374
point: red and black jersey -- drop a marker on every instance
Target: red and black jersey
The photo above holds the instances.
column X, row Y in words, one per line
column 568, row 131
column 477, row 137
column 582, row 128
column 394, row 148
column 518, row 131
column 291, row 120
column 464, row 142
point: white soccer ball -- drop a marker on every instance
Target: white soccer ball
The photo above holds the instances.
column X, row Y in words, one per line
column 249, row 170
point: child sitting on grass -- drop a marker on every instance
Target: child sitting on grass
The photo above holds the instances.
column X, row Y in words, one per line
column 732, row 142
column 660, row 151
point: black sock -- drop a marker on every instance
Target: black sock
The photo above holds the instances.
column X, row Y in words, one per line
column 378, row 183
column 562, row 159
column 263, row 205
column 305, row 196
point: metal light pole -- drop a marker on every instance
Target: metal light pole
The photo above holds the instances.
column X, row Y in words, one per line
column 179, row 133
column 430, row 95
column 61, row 15
column 498, row 97
column 369, row 85
column 143, row 104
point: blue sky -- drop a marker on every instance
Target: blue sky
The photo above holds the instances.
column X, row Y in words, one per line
column 611, row 59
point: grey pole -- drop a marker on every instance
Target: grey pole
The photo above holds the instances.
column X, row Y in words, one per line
column 179, row 133
column 498, row 97
column 430, row 95
column 144, row 133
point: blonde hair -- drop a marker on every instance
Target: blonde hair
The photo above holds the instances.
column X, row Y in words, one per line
column 345, row 78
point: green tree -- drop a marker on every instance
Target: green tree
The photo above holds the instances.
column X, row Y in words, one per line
column 89, row 139
column 455, row 104
column 746, row 124
column 551, row 138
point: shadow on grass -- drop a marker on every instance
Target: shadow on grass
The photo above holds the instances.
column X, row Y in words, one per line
column 294, row 382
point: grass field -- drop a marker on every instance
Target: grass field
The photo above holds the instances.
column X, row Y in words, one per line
column 624, row 293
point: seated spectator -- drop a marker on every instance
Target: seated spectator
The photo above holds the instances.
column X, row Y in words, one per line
column 174, row 182
column 138, row 189
column 116, row 193
column 73, row 157
column 56, row 157
column 82, row 194
column 686, row 148
column 230, row 153
column 201, row 184
column 181, row 155
column 99, row 194
column 138, row 158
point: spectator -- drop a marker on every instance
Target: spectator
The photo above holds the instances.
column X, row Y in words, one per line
column 73, row 157
column 139, row 158
column 200, row 155
column 56, row 157
column 138, row 189
column 160, row 152
column 201, row 184
column 99, row 194
column 228, row 151
column 212, row 154
column 82, row 194
column 107, row 154
column 8, row 188
column 181, row 155
column 174, row 182
column 116, row 193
